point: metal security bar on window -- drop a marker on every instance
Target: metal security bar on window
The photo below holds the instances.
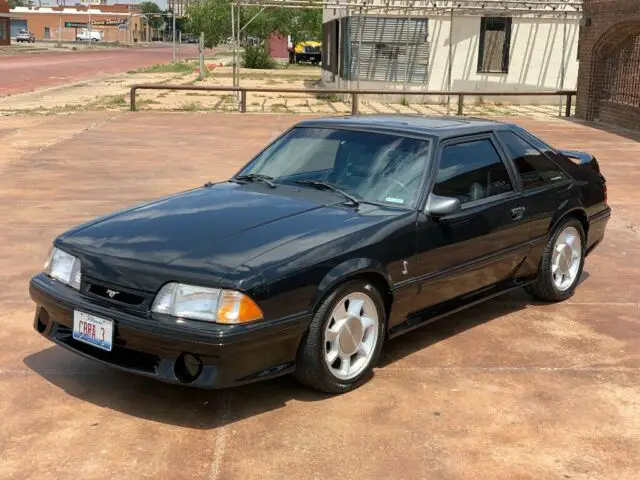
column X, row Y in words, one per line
column 622, row 83
column 388, row 46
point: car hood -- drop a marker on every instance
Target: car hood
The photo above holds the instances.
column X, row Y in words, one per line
column 203, row 233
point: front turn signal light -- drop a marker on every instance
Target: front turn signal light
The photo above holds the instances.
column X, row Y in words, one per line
column 236, row 307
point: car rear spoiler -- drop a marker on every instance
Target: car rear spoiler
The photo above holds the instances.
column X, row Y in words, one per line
column 582, row 158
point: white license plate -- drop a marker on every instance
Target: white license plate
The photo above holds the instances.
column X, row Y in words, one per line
column 93, row 330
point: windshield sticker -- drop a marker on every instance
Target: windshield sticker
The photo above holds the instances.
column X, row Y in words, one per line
column 394, row 200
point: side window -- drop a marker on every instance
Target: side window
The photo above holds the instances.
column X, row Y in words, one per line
column 471, row 171
column 535, row 169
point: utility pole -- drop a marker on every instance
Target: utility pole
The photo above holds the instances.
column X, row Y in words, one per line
column 90, row 38
column 60, row 23
column 173, row 32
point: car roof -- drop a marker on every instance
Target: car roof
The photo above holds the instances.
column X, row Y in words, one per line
column 441, row 127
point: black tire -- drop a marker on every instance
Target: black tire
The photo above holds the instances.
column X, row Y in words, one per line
column 544, row 288
column 312, row 369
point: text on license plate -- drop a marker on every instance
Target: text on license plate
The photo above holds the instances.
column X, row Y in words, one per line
column 93, row 330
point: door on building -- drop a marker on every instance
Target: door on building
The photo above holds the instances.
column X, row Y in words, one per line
column 619, row 76
column 17, row 25
column 47, row 33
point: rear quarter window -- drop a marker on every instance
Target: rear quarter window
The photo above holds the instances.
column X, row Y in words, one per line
column 535, row 169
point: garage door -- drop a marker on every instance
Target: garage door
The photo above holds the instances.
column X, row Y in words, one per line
column 17, row 25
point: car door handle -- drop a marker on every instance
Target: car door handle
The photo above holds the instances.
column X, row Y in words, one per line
column 517, row 213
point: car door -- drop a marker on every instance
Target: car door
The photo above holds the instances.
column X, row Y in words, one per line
column 486, row 241
column 545, row 186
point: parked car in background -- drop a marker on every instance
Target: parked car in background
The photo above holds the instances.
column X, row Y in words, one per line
column 85, row 36
column 25, row 36
column 190, row 39
column 340, row 234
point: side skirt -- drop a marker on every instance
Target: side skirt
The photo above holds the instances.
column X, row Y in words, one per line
column 450, row 307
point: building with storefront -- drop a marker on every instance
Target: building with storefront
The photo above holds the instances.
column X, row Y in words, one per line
column 116, row 23
column 609, row 78
column 5, row 38
column 464, row 45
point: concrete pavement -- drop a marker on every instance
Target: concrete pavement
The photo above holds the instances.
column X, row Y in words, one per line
column 506, row 390
column 29, row 72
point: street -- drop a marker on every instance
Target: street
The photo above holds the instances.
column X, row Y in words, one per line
column 24, row 73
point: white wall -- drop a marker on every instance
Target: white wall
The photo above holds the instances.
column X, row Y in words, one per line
column 534, row 62
column 535, row 57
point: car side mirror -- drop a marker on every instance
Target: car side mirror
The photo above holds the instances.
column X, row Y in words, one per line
column 438, row 206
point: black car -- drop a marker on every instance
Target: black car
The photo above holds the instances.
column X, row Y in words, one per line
column 340, row 234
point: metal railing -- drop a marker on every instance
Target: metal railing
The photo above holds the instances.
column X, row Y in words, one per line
column 569, row 94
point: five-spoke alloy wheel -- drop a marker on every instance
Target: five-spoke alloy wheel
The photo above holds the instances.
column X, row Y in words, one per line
column 344, row 339
column 351, row 335
column 562, row 262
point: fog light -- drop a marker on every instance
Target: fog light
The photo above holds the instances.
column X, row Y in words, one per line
column 187, row 367
column 42, row 320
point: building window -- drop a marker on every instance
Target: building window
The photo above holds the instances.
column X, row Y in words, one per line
column 495, row 40
column 3, row 29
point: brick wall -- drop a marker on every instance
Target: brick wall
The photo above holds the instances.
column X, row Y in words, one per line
column 610, row 24
column 5, row 38
column 619, row 114
column 50, row 26
column 277, row 45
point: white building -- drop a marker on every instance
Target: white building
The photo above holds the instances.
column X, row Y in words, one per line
column 494, row 45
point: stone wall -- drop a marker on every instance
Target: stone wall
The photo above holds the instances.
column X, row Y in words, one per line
column 608, row 25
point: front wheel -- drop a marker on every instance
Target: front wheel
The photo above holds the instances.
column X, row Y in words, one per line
column 562, row 263
column 344, row 340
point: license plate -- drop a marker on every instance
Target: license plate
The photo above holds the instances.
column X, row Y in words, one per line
column 93, row 330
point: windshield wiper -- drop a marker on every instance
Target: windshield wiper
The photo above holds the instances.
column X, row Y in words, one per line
column 256, row 177
column 327, row 186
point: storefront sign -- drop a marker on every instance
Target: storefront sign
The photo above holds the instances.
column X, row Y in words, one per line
column 109, row 23
column 75, row 25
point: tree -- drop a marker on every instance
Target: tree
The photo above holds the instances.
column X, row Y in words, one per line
column 213, row 17
column 156, row 22
column 17, row 3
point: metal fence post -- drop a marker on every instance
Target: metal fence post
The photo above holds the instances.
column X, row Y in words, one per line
column 243, row 101
column 460, row 104
column 132, row 97
column 354, row 103
column 568, row 108
column 201, row 55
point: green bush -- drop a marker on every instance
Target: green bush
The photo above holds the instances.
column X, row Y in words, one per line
column 257, row 57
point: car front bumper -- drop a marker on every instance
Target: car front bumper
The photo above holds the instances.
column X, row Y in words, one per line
column 230, row 354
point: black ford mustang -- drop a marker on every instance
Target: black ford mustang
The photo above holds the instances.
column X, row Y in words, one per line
column 341, row 233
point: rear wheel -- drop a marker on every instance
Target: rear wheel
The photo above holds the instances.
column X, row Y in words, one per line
column 561, row 265
column 344, row 340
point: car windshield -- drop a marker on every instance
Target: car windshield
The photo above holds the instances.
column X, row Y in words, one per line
column 371, row 167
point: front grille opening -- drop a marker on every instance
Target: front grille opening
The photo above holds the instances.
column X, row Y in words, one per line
column 115, row 295
column 123, row 357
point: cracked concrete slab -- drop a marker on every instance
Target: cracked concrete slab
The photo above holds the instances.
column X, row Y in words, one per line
column 509, row 389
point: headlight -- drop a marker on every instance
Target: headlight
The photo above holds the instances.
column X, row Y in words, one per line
column 63, row 267
column 208, row 304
